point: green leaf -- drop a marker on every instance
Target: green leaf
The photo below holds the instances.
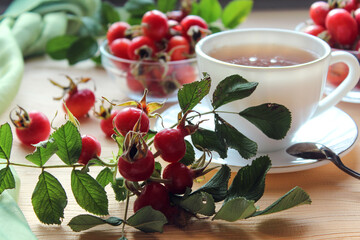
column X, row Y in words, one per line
column 217, row 186
column 249, row 181
column 91, row 27
column 200, row 202
column 86, row 221
column 235, row 209
column 49, row 199
column 209, row 140
column 6, row 139
column 109, row 13
column 191, row 94
column 194, row 8
column 272, row 119
column 157, row 170
column 232, row 88
column 214, row 29
column 7, row 180
column 105, row 177
column 293, row 198
column 89, row 194
column 234, row 139
column 235, row 12
column 148, row 220
column 82, row 49
column 57, row 47
column 44, row 150
column 119, row 189
column 189, row 157
column 139, row 7
column 210, row 10
column 166, row 5
column 68, row 140
column 114, row 221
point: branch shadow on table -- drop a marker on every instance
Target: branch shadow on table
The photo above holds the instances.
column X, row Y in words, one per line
column 199, row 229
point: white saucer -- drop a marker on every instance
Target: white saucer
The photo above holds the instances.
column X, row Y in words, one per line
column 334, row 128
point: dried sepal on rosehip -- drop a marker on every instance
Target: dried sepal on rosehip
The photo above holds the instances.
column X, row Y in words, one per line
column 107, row 115
column 32, row 127
column 78, row 101
column 147, row 108
column 137, row 161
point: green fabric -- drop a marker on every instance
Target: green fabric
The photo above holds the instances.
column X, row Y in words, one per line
column 11, row 67
column 12, row 221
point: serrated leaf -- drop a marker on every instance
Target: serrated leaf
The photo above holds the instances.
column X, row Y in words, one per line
column 232, row 88
column 68, row 140
column 235, row 139
column 235, row 209
column 209, row 140
column 249, row 181
column 235, row 12
column 49, row 199
column 44, row 150
column 189, row 157
column 166, row 5
column 293, row 198
column 6, row 139
column 192, row 93
column 147, row 220
column 7, row 180
column 210, row 10
column 217, row 186
column 57, row 47
column 82, row 49
column 119, row 189
column 89, row 194
column 199, row 202
column 86, row 221
column 105, row 177
column 272, row 119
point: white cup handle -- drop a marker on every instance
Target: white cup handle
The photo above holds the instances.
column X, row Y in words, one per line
column 346, row 86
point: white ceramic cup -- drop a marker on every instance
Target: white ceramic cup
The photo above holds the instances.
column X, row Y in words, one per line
column 299, row 87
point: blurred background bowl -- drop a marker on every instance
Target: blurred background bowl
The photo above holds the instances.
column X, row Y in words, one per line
column 162, row 79
column 338, row 71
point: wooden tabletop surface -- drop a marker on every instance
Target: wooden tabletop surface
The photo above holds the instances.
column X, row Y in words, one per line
column 333, row 214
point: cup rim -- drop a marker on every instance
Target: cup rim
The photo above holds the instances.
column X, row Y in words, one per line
column 104, row 52
column 200, row 44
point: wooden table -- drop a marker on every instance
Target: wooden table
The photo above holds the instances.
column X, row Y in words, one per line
column 333, row 214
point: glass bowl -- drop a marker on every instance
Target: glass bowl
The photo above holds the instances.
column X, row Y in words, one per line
column 161, row 79
column 337, row 72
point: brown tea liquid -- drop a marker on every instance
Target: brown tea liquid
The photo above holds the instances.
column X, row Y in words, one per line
column 261, row 55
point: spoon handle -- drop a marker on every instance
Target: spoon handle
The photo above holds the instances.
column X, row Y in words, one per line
column 347, row 170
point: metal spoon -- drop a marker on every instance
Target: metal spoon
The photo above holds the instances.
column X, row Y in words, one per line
column 309, row 150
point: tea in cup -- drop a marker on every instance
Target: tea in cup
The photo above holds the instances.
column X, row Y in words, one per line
column 290, row 67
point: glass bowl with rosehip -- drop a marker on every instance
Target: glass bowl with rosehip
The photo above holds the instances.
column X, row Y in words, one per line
column 338, row 23
column 157, row 55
